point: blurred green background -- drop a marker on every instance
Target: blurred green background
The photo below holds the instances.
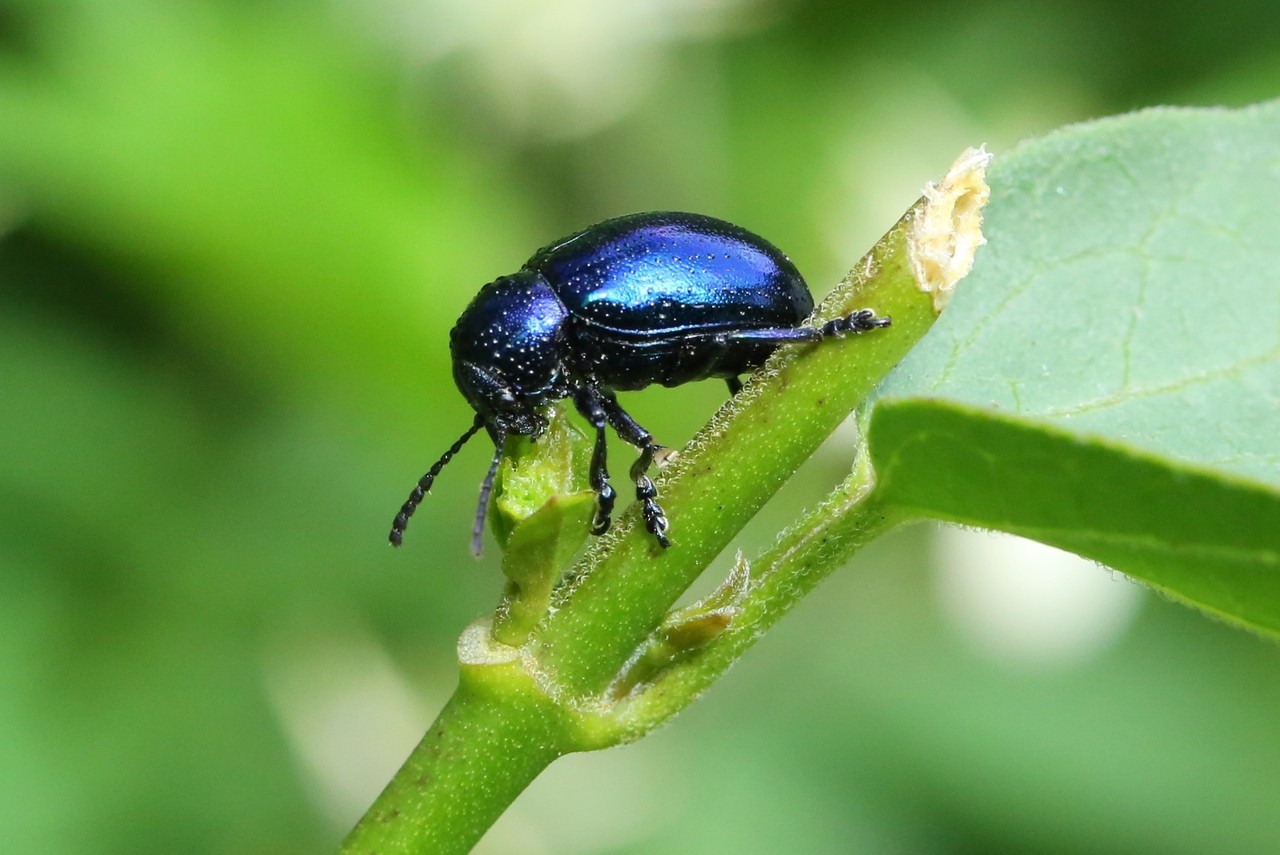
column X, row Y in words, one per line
column 233, row 238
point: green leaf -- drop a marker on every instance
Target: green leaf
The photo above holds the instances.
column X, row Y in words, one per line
column 539, row 548
column 1108, row 378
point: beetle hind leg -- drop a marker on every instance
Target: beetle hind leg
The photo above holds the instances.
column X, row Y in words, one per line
column 863, row 320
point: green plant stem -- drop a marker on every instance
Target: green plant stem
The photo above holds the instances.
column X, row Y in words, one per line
column 495, row 736
column 518, row 708
column 820, row 541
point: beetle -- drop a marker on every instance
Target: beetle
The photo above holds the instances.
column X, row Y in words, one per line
column 660, row 297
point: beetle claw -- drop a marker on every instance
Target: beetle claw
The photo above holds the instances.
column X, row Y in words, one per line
column 605, row 497
column 656, row 522
column 863, row 320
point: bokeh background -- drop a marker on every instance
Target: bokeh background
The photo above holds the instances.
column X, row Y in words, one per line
column 233, row 238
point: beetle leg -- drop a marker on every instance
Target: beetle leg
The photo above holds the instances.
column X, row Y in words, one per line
column 605, row 494
column 589, row 405
column 860, row 321
column 655, row 519
column 734, row 384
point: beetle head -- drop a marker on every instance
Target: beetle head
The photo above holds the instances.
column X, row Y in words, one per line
column 498, row 402
column 507, row 353
column 506, row 362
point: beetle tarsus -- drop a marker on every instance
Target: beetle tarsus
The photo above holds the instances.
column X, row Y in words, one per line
column 863, row 320
column 655, row 519
column 605, row 497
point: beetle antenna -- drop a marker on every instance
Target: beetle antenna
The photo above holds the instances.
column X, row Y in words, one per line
column 424, row 484
column 482, row 508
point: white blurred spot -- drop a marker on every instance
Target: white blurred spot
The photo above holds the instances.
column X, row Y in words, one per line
column 1020, row 601
column 617, row 799
column 553, row 68
column 349, row 715
column 351, row 718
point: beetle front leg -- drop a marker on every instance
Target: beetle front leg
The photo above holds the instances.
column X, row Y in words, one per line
column 605, row 495
column 589, row 405
column 655, row 519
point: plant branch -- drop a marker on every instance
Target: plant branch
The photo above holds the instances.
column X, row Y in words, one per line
column 734, row 465
column 822, row 540
column 496, row 734
column 574, row 675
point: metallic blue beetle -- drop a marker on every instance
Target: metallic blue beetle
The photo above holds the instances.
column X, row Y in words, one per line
column 662, row 297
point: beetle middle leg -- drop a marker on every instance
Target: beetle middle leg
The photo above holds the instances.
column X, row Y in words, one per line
column 655, row 519
column 590, row 405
